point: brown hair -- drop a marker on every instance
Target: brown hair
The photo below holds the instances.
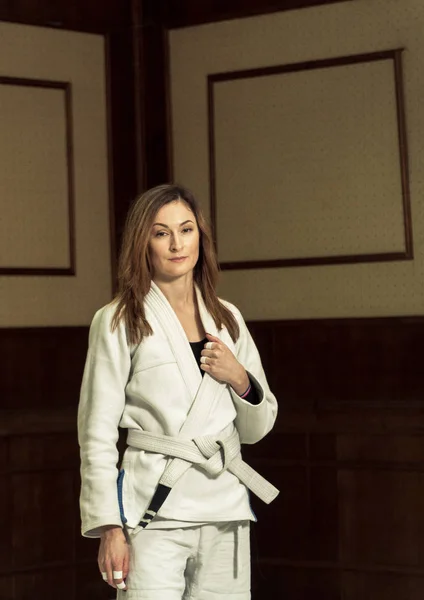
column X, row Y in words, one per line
column 135, row 271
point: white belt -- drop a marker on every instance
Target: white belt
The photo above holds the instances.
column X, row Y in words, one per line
column 210, row 452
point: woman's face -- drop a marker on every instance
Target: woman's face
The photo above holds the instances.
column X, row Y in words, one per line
column 174, row 242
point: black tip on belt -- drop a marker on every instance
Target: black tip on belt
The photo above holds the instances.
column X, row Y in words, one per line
column 159, row 497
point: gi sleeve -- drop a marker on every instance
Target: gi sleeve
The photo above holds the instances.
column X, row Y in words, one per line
column 253, row 421
column 102, row 402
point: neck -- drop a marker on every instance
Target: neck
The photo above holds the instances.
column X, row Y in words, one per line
column 179, row 292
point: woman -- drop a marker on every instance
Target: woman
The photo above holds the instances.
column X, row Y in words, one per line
column 177, row 368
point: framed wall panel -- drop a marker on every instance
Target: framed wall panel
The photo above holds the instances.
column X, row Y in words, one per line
column 37, row 234
column 322, row 145
column 57, row 191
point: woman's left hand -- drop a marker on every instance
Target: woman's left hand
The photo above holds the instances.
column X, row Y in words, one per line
column 218, row 360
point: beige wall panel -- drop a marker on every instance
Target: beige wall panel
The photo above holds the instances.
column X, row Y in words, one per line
column 308, row 164
column 363, row 26
column 37, row 53
column 34, row 229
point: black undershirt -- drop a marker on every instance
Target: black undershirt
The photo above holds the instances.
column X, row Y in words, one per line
column 197, row 348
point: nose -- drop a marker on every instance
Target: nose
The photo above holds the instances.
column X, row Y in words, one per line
column 176, row 243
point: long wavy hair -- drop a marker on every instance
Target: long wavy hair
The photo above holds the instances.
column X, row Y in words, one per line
column 135, row 271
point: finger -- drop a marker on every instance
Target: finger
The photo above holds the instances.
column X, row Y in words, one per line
column 118, row 580
column 207, row 360
column 209, row 353
column 108, row 569
column 210, row 345
column 217, row 343
column 126, row 565
column 104, row 575
column 100, row 561
column 213, row 338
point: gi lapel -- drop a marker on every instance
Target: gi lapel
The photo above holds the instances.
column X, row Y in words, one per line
column 209, row 389
column 177, row 338
column 202, row 391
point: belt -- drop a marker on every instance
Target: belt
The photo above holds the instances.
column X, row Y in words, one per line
column 211, row 453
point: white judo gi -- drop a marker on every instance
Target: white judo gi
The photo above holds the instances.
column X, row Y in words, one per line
column 155, row 390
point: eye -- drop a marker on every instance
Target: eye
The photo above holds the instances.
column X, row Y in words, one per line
column 187, row 229
column 160, row 233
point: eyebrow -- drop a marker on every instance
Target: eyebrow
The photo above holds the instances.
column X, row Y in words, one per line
column 167, row 226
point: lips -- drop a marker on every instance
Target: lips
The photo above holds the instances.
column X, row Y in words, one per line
column 178, row 259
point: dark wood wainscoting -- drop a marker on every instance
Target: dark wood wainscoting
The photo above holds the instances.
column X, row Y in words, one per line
column 347, row 453
column 42, row 555
column 348, row 456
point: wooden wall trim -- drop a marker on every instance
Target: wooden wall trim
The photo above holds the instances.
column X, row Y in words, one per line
column 46, row 567
column 125, row 170
column 340, row 364
column 344, row 566
column 403, row 152
column 155, row 100
column 35, row 421
column 113, row 253
column 176, row 14
column 80, row 15
column 41, row 369
column 395, row 56
column 66, row 88
column 139, row 77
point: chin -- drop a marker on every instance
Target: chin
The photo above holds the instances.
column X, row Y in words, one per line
column 177, row 270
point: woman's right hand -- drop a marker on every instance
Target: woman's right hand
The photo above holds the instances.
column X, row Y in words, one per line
column 114, row 556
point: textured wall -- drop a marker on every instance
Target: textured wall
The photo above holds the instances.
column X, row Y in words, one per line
column 34, row 177
column 363, row 26
column 307, row 162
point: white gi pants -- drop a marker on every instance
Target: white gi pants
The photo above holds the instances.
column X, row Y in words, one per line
column 204, row 562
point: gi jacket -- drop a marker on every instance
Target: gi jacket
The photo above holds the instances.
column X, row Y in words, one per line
column 153, row 386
